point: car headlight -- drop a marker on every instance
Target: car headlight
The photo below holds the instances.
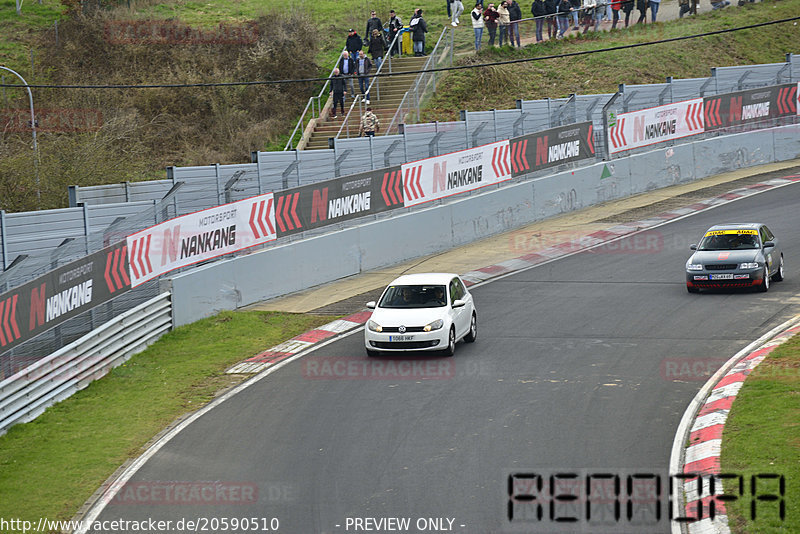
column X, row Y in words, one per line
column 753, row 265
column 694, row 267
column 435, row 325
column 375, row 327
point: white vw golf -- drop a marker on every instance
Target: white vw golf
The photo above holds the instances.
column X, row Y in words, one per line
column 429, row 311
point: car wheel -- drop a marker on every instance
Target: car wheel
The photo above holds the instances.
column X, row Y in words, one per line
column 472, row 335
column 778, row 276
column 451, row 343
column 691, row 289
column 373, row 353
column 764, row 287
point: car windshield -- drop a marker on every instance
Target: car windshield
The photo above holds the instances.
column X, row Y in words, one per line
column 418, row 296
column 729, row 240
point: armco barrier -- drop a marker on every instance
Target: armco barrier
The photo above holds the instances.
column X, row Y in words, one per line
column 286, row 268
column 28, row 393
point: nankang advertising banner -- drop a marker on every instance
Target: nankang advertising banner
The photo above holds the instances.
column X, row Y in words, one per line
column 655, row 125
column 200, row 236
column 744, row 107
column 450, row 174
column 311, row 206
column 61, row 294
column 552, row 147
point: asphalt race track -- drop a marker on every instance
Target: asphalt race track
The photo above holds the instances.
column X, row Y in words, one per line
column 584, row 364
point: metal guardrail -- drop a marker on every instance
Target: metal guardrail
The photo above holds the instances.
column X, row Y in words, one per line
column 315, row 103
column 28, row 393
column 413, row 97
column 374, row 82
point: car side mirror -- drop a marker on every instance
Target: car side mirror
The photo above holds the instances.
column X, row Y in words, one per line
column 692, row 247
column 769, row 244
column 371, row 305
column 459, row 304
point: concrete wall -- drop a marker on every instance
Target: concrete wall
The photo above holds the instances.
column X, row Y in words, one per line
column 288, row 268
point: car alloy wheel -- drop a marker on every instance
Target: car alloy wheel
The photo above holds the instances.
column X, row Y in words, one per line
column 764, row 287
column 779, row 274
column 451, row 342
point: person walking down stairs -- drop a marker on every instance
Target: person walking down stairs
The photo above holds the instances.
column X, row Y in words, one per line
column 369, row 124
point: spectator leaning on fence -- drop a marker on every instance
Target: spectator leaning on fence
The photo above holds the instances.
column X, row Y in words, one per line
column 564, row 9
column 551, row 8
column 654, row 4
column 615, row 6
column 641, row 6
column 515, row 15
column 539, row 13
column 576, row 7
column 477, row 24
column 627, row 7
column 490, row 17
column 591, row 15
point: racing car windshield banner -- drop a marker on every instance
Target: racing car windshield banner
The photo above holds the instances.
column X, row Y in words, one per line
column 200, row 236
column 311, row 206
column 450, row 174
column 655, row 125
column 745, row 107
column 61, row 294
column 550, row 148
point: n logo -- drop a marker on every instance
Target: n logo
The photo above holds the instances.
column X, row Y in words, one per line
column 542, row 147
column 736, row 109
column 319, row 204
column 171, row 242
column 638, row 129
column 439, row 176
column 37, row 307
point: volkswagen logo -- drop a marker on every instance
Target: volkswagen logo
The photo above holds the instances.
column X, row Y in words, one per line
column 401, row 329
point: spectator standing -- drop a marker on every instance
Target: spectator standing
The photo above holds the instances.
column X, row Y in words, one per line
column 347, row 67
column 576, row 7
column 641, row 6
column 369, row 124
column 490, row 17
column 395, row 25
column 477, row 25
column 654, row 4
column 504, row 19
column 627, row 7
column 615, row 6
column 337, row 91
column 373, row 23
column 564, row 9
column 377, row 47
column 419, row 29
column 363, row 67
column 539, row 14
column 456, row 8
column 354, row 43
column 591, row 15
column 551, row 8
column 515, row 15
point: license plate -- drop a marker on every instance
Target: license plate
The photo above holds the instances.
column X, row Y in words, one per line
column 724, row 276
column 401, row 338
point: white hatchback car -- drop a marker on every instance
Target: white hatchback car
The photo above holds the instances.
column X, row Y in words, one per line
column 429, row 311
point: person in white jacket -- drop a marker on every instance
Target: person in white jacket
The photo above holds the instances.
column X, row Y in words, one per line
column 591, row 14
column 477, row 24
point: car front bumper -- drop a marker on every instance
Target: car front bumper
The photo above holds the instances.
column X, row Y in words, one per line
column 727, row 279
column 394, row 341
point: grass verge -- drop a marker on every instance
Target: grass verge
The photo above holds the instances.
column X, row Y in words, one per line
column 51, row 465
column 762, row 436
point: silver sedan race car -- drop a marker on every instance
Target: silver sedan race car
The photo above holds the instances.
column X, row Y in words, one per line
column 428, row 312
column 735, row 255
